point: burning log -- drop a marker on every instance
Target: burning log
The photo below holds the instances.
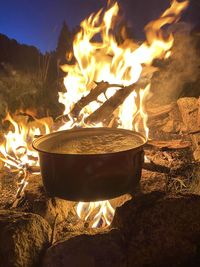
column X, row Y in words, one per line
column 84, row 101
column 107, row 109
column 99, row 89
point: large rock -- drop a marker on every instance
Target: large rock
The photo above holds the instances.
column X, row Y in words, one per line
column 189, row 108
column 153, row 181
column 23, row 239
column 37, row 201
column 94, row 250
column 161, row 230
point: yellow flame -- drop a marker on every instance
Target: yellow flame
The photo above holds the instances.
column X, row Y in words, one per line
column 104, row 211
column 106, row 60
column 123, row 64
column 17, row 145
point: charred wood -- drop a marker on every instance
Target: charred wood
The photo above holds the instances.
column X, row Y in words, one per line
column 84, row 101
column 107, row 109
column 167, row 145
column 94, row 93
column 151, row 166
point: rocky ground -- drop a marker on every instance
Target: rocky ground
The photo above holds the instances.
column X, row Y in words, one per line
column 157, row 227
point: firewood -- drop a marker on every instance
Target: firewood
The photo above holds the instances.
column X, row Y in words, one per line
column 84, row 101
column 107, row 109
column 191, row 133
column 94, row 93
column 172, row 144
column 151, row 166
column 160, row 111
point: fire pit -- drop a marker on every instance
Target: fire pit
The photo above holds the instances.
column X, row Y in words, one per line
column 92, row 154
column 90, row 164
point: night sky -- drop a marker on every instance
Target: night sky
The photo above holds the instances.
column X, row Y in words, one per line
column 38, row 22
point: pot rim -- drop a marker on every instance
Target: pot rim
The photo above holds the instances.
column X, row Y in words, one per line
column 37, row 141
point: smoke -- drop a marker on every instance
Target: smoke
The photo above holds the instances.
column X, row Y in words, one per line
column 179, row 75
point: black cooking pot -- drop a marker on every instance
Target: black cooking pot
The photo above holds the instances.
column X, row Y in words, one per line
column 83, row 176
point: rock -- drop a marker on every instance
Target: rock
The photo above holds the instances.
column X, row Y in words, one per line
column 161, row 230
column 119, row 201
column 196, row 154
column 199, row 112
column 96, row 250
column 8, row 189
column 23, row 239
column 169, row 127
column 3, row 106
column 37, row 201
column 189, row 109
column 195, row 186
column 153, row 181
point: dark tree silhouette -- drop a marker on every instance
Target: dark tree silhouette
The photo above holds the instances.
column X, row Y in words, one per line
column 21, row 56
column 64, row 45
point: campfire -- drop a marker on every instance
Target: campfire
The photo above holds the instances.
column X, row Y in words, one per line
column 92, row 171
column 107, row 86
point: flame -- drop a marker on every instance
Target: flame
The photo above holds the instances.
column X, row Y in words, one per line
column 104, row 212
column 106, row 60
column 18, row 141
column 99, row 57
column 16, row 149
